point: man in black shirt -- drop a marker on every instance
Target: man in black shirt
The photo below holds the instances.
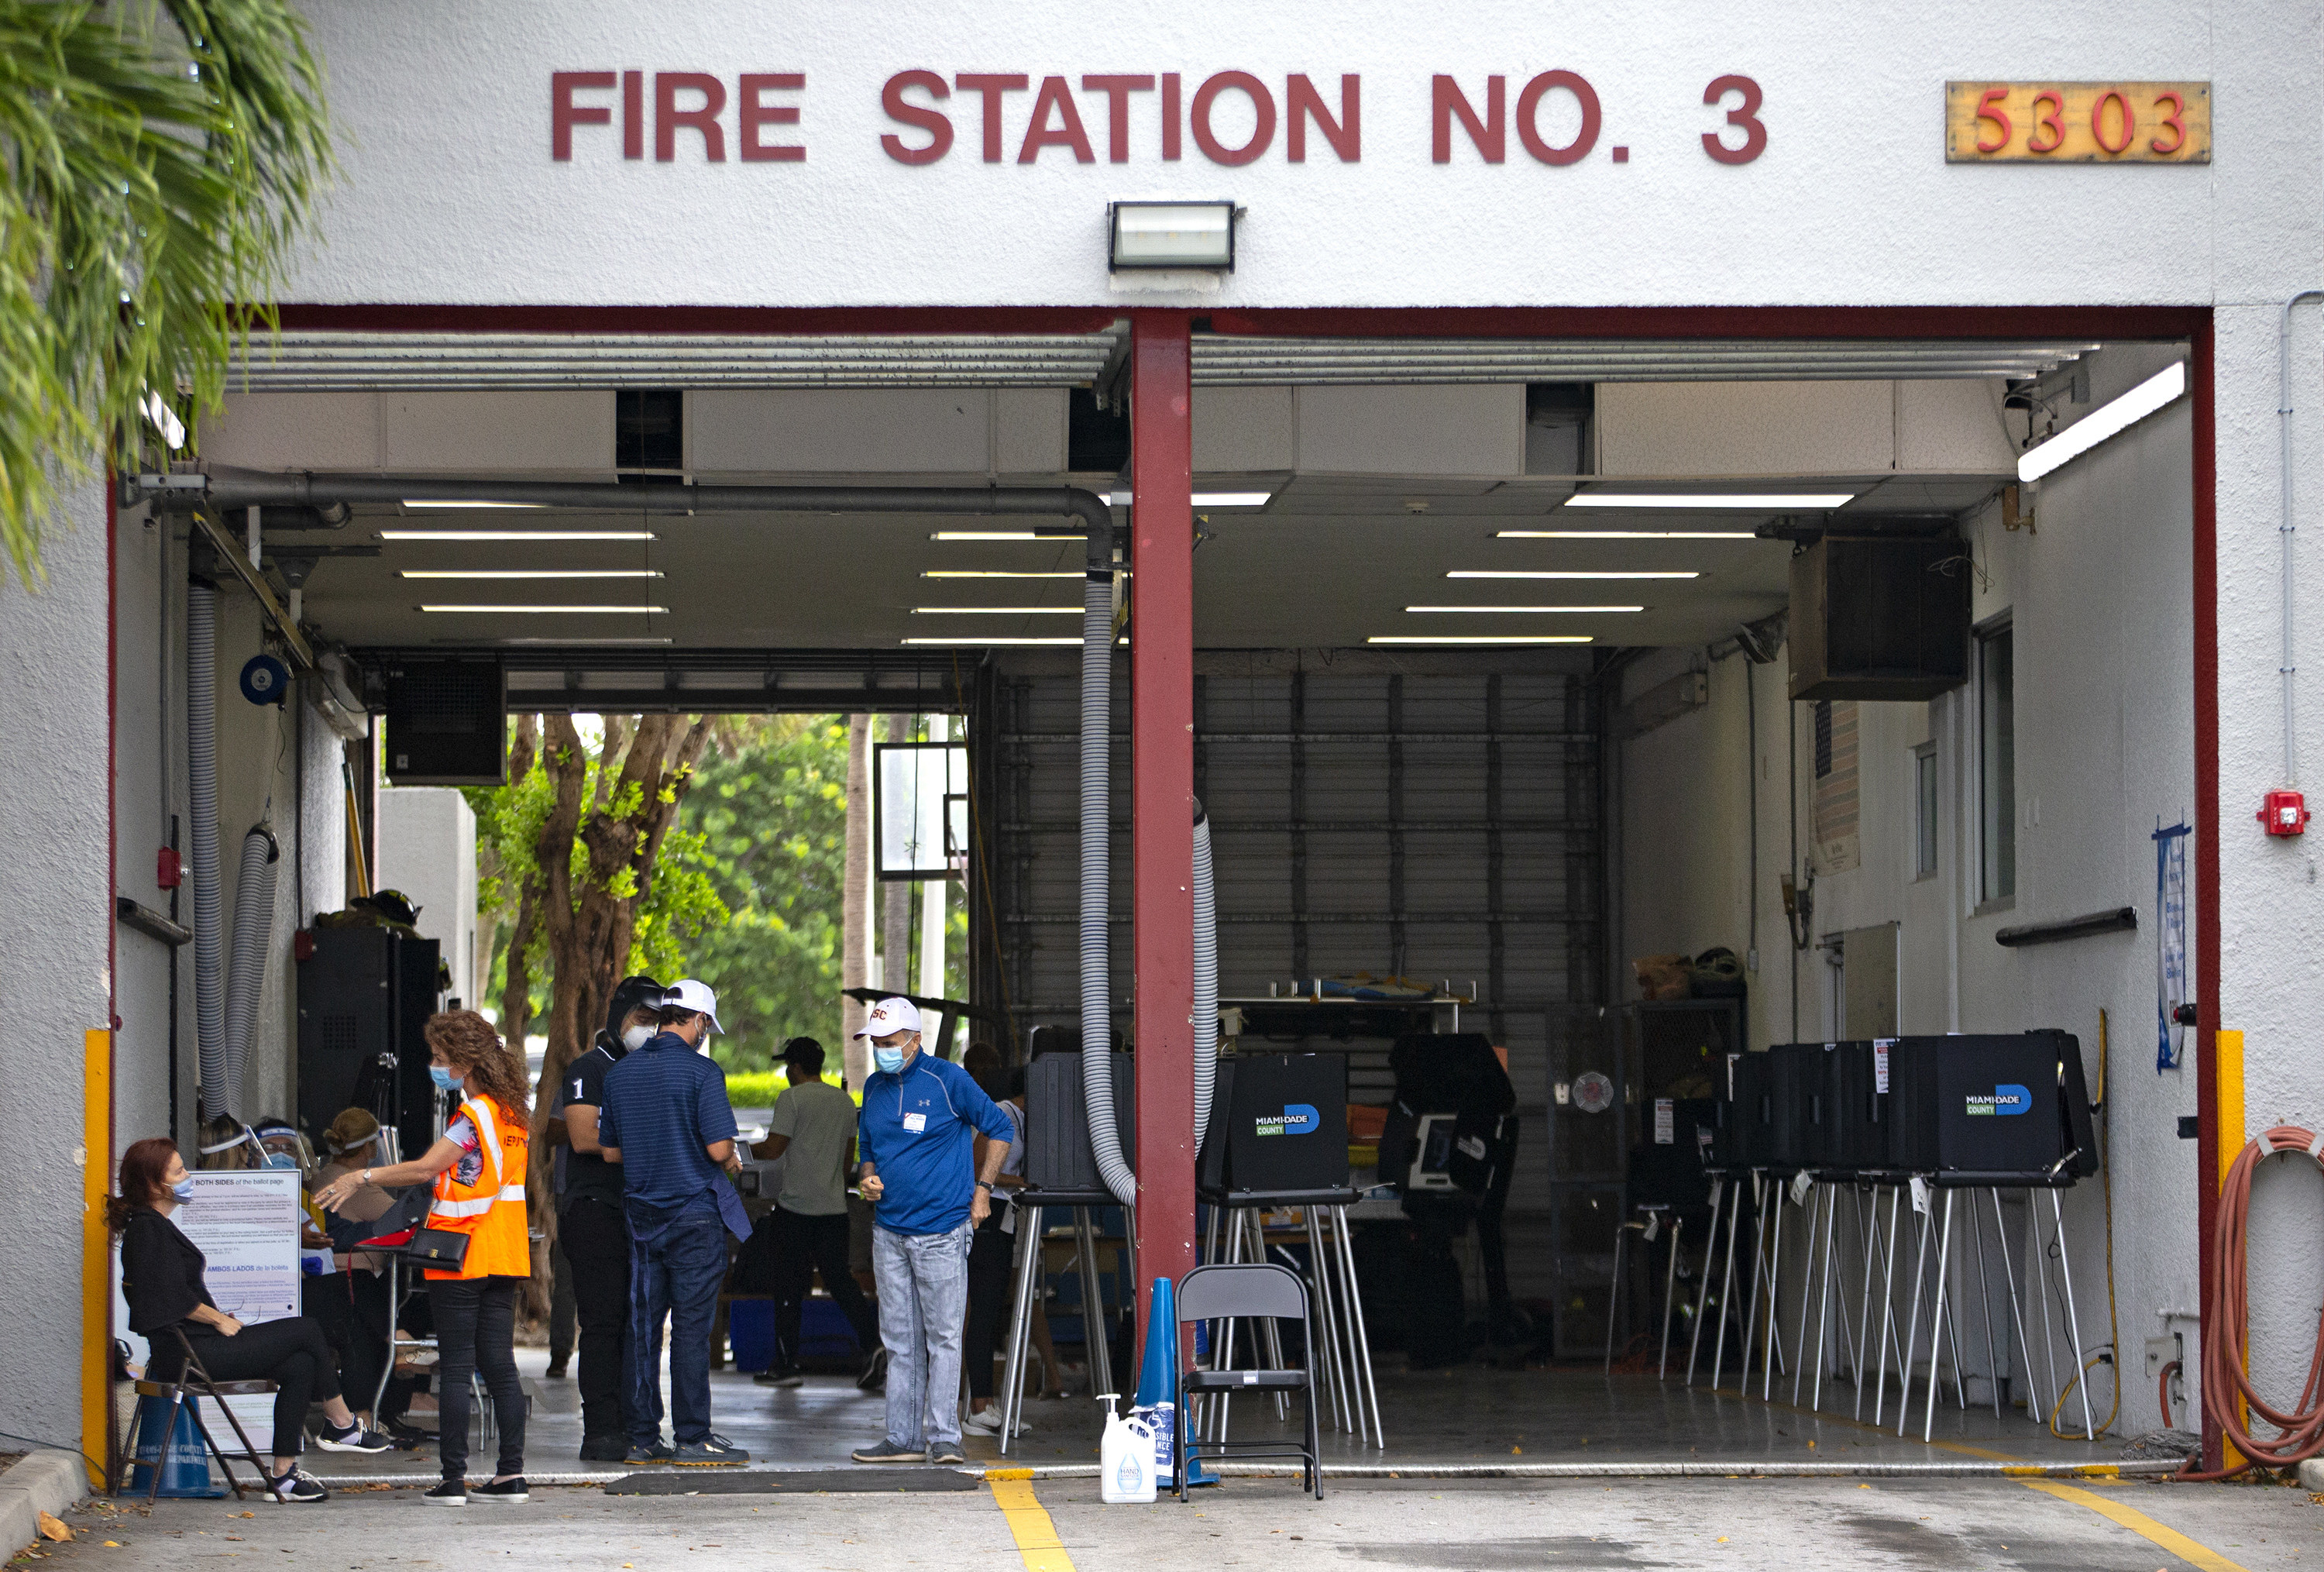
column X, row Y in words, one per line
column 591, row 1225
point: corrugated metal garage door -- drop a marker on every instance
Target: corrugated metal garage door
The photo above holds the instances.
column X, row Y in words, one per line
column 1439, row 828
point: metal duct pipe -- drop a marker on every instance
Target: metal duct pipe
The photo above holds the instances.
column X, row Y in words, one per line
column 1206, row 977
column 1097, row 865
column 253, row 926
column 201, row 803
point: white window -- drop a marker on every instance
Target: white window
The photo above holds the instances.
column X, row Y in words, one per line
column 1925, row 811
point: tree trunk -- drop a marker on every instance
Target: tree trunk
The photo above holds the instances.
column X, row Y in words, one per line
column 855, row 900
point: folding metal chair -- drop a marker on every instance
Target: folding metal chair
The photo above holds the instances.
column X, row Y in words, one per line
column 193, row 1382
column 1259, row 1291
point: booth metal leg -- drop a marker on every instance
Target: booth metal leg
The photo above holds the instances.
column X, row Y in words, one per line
column 1269, row 1333
column 1817, row 1195
column 1913, row 1325
column 1094, row 1328
column 2016, row 1314
column 1726, row 1281
column 1702, row 1291
column 1823, row 1294
column 1327, row 1331
column 1775, row 1281
column 2041, row 1299
column 1670, row 1286
column 1871, row 1231
column 1020, row 1320
column 2074, row 1322
column 1937, row 1323
column 1985, row 1308
column 1888, row 1307
column 1760, row 1191
column 1614, row 1294
column 1360, row 1343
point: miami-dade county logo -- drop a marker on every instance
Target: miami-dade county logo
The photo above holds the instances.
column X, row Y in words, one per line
column 2005, row 1100
column 1296, row 1119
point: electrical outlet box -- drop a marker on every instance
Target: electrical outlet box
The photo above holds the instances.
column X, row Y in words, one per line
column 2161, row 1351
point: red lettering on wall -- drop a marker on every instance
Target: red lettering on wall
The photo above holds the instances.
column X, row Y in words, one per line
column 1262, row 130
column 1057, row 99
column 633, row 114
column 992, row 86
column 564, row 114
column 1490, row 134
column 1171, row 120
column 1745, row 114
column 753, row 115
column 932, row 121
column 1530, row 109
column 1117, row 91
column 669, row 117
column 1301, row 100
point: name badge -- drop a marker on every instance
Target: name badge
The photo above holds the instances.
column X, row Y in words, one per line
column 915, row 1122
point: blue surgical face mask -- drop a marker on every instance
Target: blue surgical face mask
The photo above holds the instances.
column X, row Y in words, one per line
column 445, row 1079
column 281, row 1160
column 183, row 1190
column 890, row 1060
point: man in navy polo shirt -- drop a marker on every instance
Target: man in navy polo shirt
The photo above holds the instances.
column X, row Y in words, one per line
column 918, row 1136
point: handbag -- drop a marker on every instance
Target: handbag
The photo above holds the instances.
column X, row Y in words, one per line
column 443, row 1249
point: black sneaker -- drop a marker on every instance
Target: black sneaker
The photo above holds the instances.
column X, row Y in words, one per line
column 508, row 1490
column 875, row 1373
column 887, row 1452
column 788, row 1375
column 604, row 1450
column 555, row 1371
column 649, row 1452
column 451, row 1493
column 713, row 1449
column 945, row 1452
column 297, row 1488
column 353, row 1439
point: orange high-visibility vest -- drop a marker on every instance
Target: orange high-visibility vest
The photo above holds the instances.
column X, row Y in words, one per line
column 491, row 1211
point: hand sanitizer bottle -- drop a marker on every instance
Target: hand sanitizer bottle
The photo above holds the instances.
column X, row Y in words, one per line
column 1125, row 1457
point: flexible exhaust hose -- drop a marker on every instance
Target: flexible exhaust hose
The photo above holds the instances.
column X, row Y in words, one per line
column 1206, row 977
column 201, row 794
column 2226, row 1329
column 1097, row 865
column 253, row 929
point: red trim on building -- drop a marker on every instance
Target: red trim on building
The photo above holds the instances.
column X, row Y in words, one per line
column 738, row 319
column 2116, row 322
column 2204, row 584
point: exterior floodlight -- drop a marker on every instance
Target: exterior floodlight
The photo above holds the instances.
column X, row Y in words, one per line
column 2105, row 421
column 1192, row 235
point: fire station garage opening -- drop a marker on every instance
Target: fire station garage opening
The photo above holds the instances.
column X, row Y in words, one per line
column 1579, row 725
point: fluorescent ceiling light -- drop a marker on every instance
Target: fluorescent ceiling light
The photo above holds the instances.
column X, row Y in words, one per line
column 418, row 502
column 1624, row 535
column 2106, row 421
column 530, row 573
column 1208, row 499
column 1523, row 610
column 996, row 611
column 1478, row 639
column 516, row 535
column 562, row 642
column 561, row 610
column 1197, row 234
column 1762, row 502
column 992, row 535
column 1561, row 573
column 974, row 639
column 994, row 573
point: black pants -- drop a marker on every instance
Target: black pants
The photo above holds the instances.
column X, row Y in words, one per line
column 291, row 1353
column 990, row 1255
column 352, row 1309
column 563, row 1309
column 807, row 1246
column 595, row 1239
column 476, row 1330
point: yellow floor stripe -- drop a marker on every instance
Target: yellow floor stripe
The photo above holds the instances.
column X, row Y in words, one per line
column 2137, row 1522
column 1037, row 1536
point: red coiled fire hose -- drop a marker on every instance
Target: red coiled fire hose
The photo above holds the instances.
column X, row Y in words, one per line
column 2227, row 1327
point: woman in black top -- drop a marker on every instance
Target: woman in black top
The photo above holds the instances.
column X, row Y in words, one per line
column 162, row 1279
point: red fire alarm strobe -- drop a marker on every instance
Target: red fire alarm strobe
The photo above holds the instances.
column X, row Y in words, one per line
column 2285, row 812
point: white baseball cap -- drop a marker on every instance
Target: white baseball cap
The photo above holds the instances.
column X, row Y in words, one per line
column 691, row 994
column 888, row 1017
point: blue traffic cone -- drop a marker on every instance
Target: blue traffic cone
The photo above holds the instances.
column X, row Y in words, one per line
column 1158, row 1384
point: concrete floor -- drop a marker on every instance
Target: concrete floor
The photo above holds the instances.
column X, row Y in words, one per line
column 1465, row 1415
column 1056, row 1526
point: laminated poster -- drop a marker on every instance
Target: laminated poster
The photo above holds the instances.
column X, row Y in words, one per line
column 245, row 1222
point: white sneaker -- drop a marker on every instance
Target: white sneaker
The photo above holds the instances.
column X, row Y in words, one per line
column 985, row 1421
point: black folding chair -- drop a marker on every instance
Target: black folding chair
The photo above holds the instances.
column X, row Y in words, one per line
column 1248, row 1291
column 194, row 1381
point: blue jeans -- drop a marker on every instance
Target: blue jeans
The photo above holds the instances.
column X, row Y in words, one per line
column 923, row 1281
column 676, row 1274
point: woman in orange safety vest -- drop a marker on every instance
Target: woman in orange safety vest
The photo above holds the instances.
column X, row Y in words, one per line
column 478, row 1168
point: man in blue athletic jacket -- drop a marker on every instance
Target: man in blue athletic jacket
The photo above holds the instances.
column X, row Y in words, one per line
column 917, row 1135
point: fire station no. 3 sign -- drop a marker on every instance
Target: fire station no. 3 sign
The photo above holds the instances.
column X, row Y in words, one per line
column 2001, row 1100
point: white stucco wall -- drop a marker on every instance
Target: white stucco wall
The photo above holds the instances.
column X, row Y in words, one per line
column 427, row 850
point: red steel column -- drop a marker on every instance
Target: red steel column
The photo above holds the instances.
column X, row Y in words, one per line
column 1162, row 788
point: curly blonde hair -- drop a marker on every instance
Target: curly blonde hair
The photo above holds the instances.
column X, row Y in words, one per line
column 469, row 1044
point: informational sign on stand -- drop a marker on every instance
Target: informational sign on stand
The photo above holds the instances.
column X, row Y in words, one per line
column 2169, row 942
column 245, row 1223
